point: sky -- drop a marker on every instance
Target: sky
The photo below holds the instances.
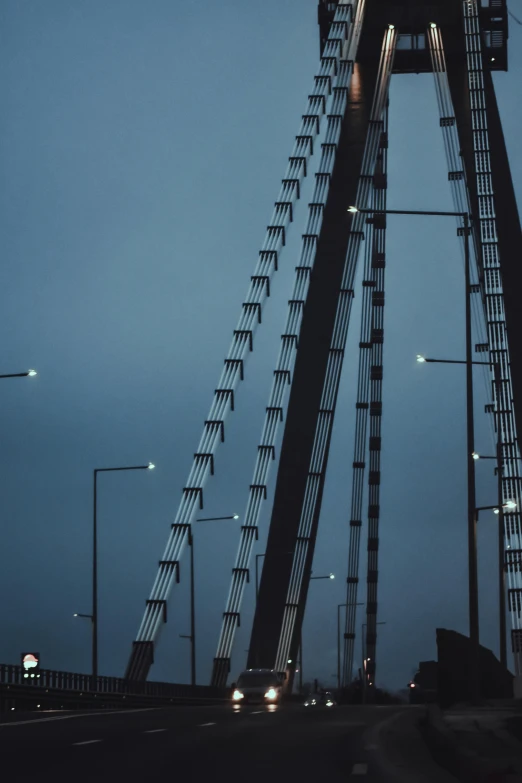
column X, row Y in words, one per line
column 142, row 146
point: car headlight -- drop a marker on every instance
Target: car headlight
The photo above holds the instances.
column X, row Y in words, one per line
column 237, row 695
column 271, row 693
column 329, row 703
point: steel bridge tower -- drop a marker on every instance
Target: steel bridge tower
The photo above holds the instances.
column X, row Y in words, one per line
column 362, row 44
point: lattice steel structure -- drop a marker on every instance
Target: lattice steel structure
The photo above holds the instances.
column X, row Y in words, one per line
column 363, row 42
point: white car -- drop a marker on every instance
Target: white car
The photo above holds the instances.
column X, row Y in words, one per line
column 261, row 686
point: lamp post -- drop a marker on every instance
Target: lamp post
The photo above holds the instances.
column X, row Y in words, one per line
column 363, row 694
column 327, row 576
column 192, row 635
column 499, row 509
column 339, row 606
column 472, row 528
column 29, row 373
column 150, row 466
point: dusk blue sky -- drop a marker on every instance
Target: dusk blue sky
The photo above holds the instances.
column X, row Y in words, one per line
column 142, row 147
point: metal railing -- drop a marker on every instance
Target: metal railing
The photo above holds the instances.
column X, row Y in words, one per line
column 11, row 675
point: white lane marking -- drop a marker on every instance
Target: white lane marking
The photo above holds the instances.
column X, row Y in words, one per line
column 86, row 742
column 77, row 715
column 360, row 769
column 257, row 712
column 153, row 731
column 207, row 724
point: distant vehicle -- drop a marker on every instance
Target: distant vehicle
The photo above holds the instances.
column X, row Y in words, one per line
column 321, row 700
column 258, row 685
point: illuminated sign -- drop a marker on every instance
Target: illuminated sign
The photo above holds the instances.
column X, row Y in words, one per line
column 31, row 665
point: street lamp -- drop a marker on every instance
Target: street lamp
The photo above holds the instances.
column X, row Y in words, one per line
column 339, row 640
column 501, row 575
column 328, row 576
column 29, row 373
column 472, row 530
column 365, row 660
column 378, row 216
column 192, row 635
column 150, row 466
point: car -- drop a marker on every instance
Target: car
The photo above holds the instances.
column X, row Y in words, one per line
column 320, row 700
column 263, row 686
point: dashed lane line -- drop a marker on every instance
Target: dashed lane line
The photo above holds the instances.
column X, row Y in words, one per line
column 86, row 742
column 75, row 715
column 257, row 712
column 153, row 731
column 207, row 724
column 360, row 769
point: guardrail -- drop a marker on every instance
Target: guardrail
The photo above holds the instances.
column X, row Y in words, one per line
column 51, row 688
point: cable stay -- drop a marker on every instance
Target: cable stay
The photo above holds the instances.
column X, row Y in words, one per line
column 368, row 404
column 297, row 586
column 342, row 24
column 488, row 270
column 460, row 195
column 494, row 313
column 342, row 33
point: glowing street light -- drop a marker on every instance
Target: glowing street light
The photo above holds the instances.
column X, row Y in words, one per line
column 149, row 466
column 328, row 576
column 30, row 373
column 507, row 504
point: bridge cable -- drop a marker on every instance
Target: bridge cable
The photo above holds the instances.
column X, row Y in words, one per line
column 369, row 402
column 242, row 344
column 347, row 28
column 295, row 593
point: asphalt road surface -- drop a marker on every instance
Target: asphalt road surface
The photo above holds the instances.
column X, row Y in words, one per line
column 254, row 744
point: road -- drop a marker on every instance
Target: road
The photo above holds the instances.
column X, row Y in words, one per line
column 254, row 744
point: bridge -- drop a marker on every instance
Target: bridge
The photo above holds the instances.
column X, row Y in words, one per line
column 416, row 285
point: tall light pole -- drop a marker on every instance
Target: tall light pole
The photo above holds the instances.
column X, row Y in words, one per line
column 501, row 545
column 472, row 528
column 150, row 466
column 339, row 606
column 378, row 215
column 499, row 509
column 29, row 373
column 192, row 635
column 326, row 576
column 363, row 694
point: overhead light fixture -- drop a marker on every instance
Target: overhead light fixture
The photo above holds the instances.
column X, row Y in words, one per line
column 420, row 359
column 352, row 209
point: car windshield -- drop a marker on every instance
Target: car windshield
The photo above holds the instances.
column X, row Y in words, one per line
column 257, row 679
